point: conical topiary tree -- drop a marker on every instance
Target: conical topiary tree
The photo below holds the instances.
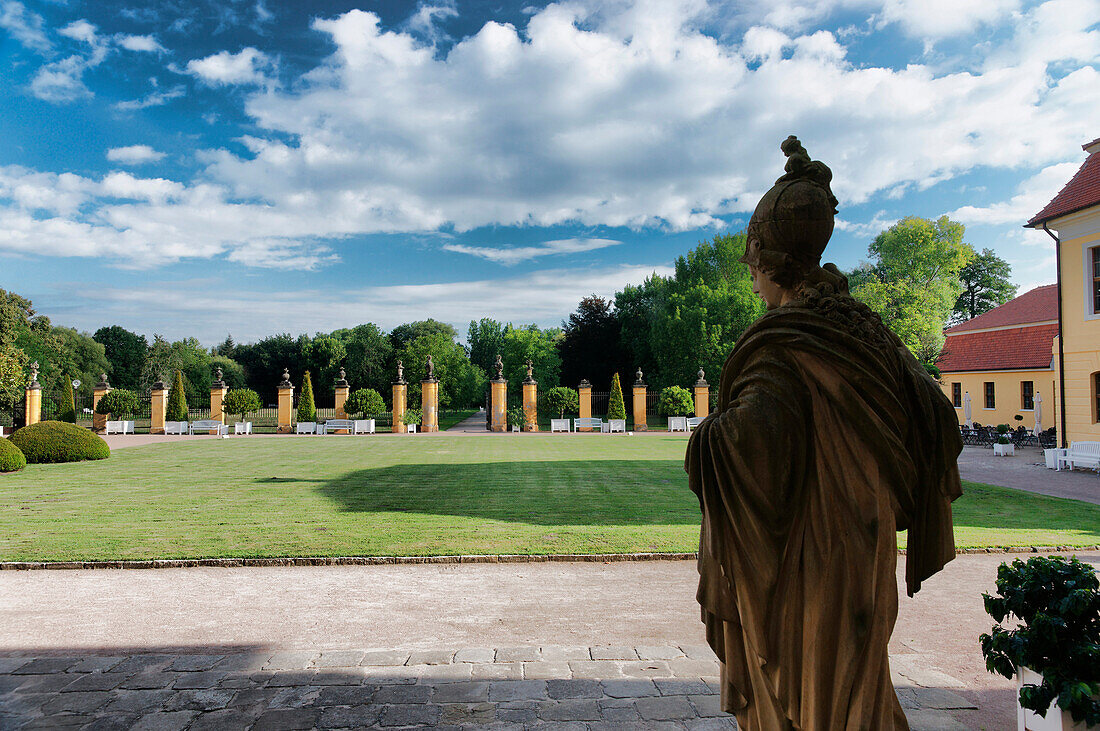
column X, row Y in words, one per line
column 177, row 400
column 307, row 410
column 68, row 403
column 616, row 409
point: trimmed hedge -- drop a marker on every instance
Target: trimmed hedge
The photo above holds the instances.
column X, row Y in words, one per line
column 56, row 441
column 11, row 459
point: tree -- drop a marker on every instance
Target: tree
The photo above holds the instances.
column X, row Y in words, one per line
column 562, row 399
column 616, row 409
column 590, row 346
column 12, row 378
column 323, row 355
column 402, row 335
column 232, row 372
column 985, row 285
column 125, row 352
column 241, row 401
column 365, row 401
column 307, row 410
column 67, row 411
column 185, row 355
column 177, row 400
column 675, row 401
column 536, row 344
column 912, row 280
column 461, row 383
column 227, row 347
column 485, row 339
column 368, row 356
column 264, row 361
column 118, row 402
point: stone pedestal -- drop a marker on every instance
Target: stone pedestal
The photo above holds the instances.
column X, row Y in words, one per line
column 101, row 389
column 584, row 409
column 217, row 396
column 399, row 393
column 32, row 400
column 498, row 420
column 341, row 399
column 285, row 417
column 702, row 396
column 530, row 406
column 429, row 405
column 158, row 408
column 640, row 419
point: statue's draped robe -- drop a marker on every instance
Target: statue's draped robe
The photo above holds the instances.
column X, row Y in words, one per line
column 828, row 437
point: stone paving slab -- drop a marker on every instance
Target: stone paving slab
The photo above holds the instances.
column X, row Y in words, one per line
column 499, row 688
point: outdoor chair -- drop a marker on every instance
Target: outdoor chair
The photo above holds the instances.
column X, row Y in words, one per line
column 588, row 423
column 207, row 425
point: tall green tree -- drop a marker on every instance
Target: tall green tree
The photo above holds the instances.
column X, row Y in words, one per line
column 264, row 361
column 125, row 352
column 368, row 357
column 324, row 354
column 912, row 280
column 485, row 338
column 461, row 383
column 985, row 283
column 590, row 346
column 536, row 344
column 67, row 410
column 13, row 377
column 616, row 409
column 307, row 409
column 402, row 335
column 186, row 355
column 177, row 400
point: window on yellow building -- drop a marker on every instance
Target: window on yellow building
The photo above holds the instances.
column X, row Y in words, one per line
column 957, row 395
column 1027, row 395
column 990, row 396
column 1095, row 280
column 1096, row 397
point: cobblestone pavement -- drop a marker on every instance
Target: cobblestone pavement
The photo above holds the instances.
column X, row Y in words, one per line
column 579, row 688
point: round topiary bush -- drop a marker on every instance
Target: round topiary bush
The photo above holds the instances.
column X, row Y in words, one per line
column 11, row 459
column 57, row 441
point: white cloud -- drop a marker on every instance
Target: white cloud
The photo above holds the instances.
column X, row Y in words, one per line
column 517, row 254
column 145, row 44
column 134, row 154
column 80, row 30
column 61, row 81
column 940, row 18
column 1032, row 194
column 246, row 67
column 24, row 26
column 153, row 99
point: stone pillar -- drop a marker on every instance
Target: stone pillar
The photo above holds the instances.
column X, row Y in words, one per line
column 639, row 403
column 286, row 405
column 584, row 391
column 702, row 396
column 33, row 398
column 429, row 405
column 218, row 390
column 342, row 390
column 400, row 387
column 530, row 400
column 158, row 408
column 499, row 396
column 101, row 389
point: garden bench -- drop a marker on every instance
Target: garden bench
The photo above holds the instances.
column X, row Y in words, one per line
column 242, row 427
column 677, row 423
column 175, row 427
column 207, row 425
column 694, row 421
column 614, row 425
column 1082, row 454
column 331, row 426
column 306, row 427
column 586, row 423
column 119, row 427
column 559, row 425
column 363, row 426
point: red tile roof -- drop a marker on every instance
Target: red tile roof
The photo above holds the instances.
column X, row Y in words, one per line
column 998, row 350
column 1037, row 305
column 1082, row 191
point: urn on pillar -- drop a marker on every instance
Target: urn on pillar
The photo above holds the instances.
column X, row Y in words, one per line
column 101, row 389
column 218, row 390
column 702, row 395
column 530, row 400
column 286, row 404
column 499, row 395
column 584, row 409
column 639, row 402
column 33, row 397
column 429, row 399
column 400, row 388
column 342, row 390
column 158, row 407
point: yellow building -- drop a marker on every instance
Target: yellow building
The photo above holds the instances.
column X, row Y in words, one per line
column 1000, row 362
column 1073, row 220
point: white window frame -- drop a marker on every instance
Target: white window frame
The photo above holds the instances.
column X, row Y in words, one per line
column 1086, row 265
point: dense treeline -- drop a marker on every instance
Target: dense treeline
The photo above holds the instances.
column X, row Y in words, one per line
column 920, row 275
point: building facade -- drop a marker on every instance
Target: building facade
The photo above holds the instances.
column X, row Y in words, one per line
column 1072, row 219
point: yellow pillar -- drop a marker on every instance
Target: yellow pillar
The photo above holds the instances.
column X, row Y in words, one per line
column 584, row 391
column 400, row 391
column 429, row 405
column 286, row 405
column 702, row 396
column 158, row 408
column 639, row 403
column 101, row 389
column 342, row 390
column 499, row 418
column 530, row 407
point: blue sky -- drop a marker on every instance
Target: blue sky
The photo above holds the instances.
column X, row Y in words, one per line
column 200, row 168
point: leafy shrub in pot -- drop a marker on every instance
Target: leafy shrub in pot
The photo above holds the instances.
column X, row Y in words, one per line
column 676, row 401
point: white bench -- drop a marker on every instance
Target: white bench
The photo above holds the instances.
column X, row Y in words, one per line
column 559, row 425
column 207, row 426
column 614, row 425
column 587, row 423
column 1082, row 454
column 175, row 427
column 331, row 426
column 119, row 427
column 307, row 427
column 242, row 427
column 363, row 426
column 694, row 421
column 677, row 423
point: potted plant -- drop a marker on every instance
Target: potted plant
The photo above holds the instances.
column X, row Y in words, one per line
column 1054, row 653
column 241, row 401
column 412, row 419
column 516, row 418
column 119, row 403
column 1003, row 446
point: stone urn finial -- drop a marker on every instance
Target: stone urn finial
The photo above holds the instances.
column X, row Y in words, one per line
column 103, row 384
column 702, row 381
column 638, row 378
column 286, row 379
column 218, row 382
column 343, row 375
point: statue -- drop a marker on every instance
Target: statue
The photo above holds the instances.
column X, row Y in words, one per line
column 343, row 375
column 217, row 375
column 431, row 367
column 530, row 370
column 828, row 438
column 499, row 366
column 400, row 372
column 34, row 374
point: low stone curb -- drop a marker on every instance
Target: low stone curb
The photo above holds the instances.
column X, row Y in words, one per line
column 181, row 563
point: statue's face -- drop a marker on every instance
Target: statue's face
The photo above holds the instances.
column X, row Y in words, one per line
column 762, row 285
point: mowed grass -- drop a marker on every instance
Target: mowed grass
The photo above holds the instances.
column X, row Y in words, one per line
column 415, row 495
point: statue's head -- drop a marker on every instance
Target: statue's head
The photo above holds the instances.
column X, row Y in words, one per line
column 792, row 223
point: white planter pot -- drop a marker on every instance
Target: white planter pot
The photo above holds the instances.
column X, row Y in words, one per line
column 412, row 428
column 1056, row 719
column 1003, row 450
column 1052, row 456
column 515, row 428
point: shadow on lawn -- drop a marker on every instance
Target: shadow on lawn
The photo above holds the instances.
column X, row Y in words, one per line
column 596, row 492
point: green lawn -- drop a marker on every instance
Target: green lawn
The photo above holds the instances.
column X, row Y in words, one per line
column 301, row 496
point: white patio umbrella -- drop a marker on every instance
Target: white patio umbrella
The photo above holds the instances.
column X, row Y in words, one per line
column 966, row 411
column 1038, row 414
